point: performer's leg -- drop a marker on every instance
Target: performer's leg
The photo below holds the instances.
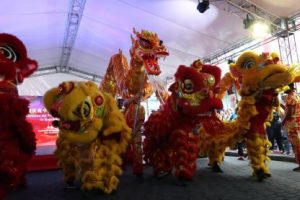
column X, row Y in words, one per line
column 67, row 155
column 185, row 152
column 295, row 141
column 257, row 147
column 137, row 153
column 136, row 140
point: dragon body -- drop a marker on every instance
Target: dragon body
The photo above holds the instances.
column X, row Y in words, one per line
column 131, row 83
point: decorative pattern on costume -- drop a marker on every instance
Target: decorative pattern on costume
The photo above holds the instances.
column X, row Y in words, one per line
column 172, row 132
column 132, row 83
column 93, row 134
column 17, row 139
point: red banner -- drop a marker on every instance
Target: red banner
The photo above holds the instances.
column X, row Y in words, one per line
column 41, row 121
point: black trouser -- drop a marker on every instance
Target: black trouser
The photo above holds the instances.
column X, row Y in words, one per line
column 240, row 149
column 274, row 133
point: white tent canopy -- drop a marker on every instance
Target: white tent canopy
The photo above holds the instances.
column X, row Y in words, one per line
column 106, row 25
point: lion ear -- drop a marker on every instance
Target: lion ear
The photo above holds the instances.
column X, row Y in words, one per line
column 114, row 120
column 110, row 103
column 49, row 98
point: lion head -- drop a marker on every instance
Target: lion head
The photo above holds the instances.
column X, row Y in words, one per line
column 194, row 89
column 14, row 63
column 84, row 112
column 260, row 72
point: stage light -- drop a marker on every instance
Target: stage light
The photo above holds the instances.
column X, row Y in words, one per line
column 260, row 29
column 203, row 6
column 248, row 21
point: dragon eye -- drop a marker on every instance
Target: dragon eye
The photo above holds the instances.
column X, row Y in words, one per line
column 188, row 86
column 9, row 53
column 145, row 43
column 161, row 42
column 248, row 63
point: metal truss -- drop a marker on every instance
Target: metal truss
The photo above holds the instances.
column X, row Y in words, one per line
column 242, row 8
column 74, row 18
column 282, row 29
column 44, row 71
column 82, row 74
column 287, row 42
column 85, row 75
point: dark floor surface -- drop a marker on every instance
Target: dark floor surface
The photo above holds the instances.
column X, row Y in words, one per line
column 236, row 183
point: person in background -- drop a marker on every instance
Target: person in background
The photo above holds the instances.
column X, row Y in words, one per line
column 274, row 132
column 292, row 121
column 240, row 144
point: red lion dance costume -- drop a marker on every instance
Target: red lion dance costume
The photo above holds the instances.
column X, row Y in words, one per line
column 171, row 137
column 17, row 139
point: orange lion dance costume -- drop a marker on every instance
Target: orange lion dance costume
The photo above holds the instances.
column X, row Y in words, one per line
column 172, row 132
column 17, row 139
column 132, row 84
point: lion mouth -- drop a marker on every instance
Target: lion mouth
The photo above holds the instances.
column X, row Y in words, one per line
column 67, row 125
column 274, row 80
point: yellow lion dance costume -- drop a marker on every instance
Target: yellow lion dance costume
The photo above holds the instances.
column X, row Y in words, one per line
column 260, row 77
column 93, row 134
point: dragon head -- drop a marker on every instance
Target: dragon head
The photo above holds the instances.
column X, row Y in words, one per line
column 148, row 48
column 194, row 89
column 260, row 72
column 83, row 111
column 14, row 63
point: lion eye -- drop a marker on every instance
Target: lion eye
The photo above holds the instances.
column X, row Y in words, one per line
column 210, row 81
column 86, row 109
column 83, row 110
column 248, row 63
column 188, row 86
column 9, row 53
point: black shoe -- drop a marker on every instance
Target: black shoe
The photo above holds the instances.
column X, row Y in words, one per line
column 216, row 168
column 297, row 169
column 162, row 174
column 260, row 174
column 70, row 185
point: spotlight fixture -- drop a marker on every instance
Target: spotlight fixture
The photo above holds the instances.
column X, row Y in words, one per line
column 248, row 21
column 203, row 5
column 258, row 28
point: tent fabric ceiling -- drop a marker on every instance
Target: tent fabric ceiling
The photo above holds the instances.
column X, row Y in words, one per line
column 37, row 86
column 106, row 27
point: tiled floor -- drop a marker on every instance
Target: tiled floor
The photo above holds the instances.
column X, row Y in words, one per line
column 236, row 183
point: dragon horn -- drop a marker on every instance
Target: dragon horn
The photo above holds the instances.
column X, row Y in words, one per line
column 132, row 39
column 120, row 51
column 136, row 33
